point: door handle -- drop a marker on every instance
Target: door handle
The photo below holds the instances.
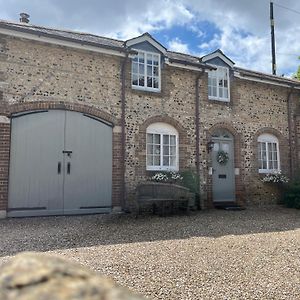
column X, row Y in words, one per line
column 59, row 167
column 68, row 152
column 68, row 168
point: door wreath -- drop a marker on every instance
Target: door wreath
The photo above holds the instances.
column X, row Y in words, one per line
column 222, row 157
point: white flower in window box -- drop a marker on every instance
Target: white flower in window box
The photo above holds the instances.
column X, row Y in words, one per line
column 276, row 177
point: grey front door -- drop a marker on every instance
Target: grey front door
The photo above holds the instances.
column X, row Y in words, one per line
column 223, row 180
column 60, row 163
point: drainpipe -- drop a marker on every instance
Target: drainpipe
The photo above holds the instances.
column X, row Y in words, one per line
column 197, row 117
column 291, row 163
column 123, row 127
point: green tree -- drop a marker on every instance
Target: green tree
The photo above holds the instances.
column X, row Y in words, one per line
column 298, row 72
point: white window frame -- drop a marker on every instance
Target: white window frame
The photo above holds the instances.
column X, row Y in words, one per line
column 218, row 77
column 268, row 138
column 145, row 87
column 162, row 129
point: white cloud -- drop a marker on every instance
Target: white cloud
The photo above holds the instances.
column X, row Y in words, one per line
column 243, row 26
column 178, row 46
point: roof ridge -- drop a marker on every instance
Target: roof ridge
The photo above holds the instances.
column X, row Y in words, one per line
column 59, row 29
column 267, row 74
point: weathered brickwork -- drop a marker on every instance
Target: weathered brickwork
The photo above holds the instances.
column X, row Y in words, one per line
column 53, row 77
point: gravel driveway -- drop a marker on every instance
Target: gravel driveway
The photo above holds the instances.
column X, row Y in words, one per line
column 217, row 254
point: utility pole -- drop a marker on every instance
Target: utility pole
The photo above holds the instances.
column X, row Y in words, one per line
column 272, row 39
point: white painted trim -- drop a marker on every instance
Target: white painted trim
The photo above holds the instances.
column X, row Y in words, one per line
column 59, row 42
column 146, row 38
column 269, row 138
column 217, row 98
column 163, row 129
column 146, row 88
column 4, row 120
column 219, row 55
column 237, row 75
column 182, row 66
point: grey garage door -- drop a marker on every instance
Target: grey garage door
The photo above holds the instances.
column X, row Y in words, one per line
column 60, row 163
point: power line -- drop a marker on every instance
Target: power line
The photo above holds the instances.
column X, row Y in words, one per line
column 287, row 8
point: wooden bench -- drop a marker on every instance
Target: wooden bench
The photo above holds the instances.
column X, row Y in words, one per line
column 165, row 198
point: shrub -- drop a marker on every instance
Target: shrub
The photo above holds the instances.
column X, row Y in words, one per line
column 291, row 197
column 191, row 181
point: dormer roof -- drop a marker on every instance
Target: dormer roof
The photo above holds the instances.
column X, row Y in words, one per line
column 146, row 37
column 218, row 54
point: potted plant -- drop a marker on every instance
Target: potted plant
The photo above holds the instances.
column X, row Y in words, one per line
column 279, row 180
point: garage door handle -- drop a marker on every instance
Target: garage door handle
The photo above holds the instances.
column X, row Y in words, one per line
column 68, row 168
column 59, row 167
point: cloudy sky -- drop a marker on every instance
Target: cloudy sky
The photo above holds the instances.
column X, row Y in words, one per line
column 240, row 28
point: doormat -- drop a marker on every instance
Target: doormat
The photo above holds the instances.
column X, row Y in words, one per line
column 234, row 208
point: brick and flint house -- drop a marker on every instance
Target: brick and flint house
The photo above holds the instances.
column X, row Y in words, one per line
column 84, row 119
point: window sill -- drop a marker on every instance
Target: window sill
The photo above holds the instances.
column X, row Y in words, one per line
column 162, row 169
column 145, row 89
column 263, row 171
column 219, row 99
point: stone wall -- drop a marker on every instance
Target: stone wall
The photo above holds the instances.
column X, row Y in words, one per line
column 51, row 76
column 254, row 108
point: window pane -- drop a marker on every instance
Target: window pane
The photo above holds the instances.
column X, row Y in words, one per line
column 173, row 150
column 135, row 80
column 166, row 160
column 166, row 150
column 141, row 57
column 155, row 82
column 135, row 59
column 209, row 91
column 155, row 59
column 149, row 160
column 150, row 138
column 173, row 161
column 149, row 81
column 173, row 140
column 156, row 161
column 149, row 59
column 221, row 92
column 166, row 139
column 156, row 149
column 149, row 70
column 150, row 149
column 134, row 68
column 141, row 69
column 214, row 92
column 155, row 71
column 156, row 138
column 225, row 93
column 141, row 80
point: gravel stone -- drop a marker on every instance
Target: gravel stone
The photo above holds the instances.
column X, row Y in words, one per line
column 213, row 254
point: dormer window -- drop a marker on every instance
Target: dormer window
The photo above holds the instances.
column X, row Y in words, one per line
column 145, row 73
column 218, row 84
